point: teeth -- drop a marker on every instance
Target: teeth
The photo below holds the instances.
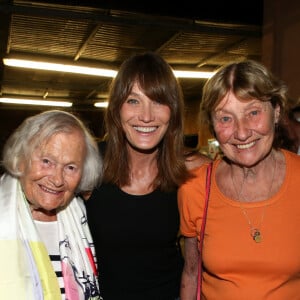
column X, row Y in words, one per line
column 245, row 146
column 145, row 129
column 48, row 190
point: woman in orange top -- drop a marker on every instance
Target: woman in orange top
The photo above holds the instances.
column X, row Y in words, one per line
column 251, row 247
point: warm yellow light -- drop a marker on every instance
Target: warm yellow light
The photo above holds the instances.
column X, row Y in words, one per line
column 101, row 104
column 35, row 102
column 31, row 64
column 193, row 74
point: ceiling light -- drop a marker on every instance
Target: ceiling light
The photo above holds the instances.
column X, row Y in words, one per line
column 101, row 104
column 193, row 74
column 31, row 64
column 35, row 102
column 38, row 65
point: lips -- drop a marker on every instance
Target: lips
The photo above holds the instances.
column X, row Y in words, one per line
column 145, row 129
column 49, row 190
column 245, row 146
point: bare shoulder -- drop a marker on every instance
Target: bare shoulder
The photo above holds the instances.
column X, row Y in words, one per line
column 196, row 159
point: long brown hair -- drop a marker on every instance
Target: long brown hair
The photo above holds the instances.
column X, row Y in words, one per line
column 156, row 78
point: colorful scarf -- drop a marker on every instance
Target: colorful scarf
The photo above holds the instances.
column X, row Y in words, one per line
column 26, row 271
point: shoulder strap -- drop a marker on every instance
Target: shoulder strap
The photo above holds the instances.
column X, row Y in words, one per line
column 207, row 191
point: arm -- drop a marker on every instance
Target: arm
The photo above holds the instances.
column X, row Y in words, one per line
column 188, row 288
column 85, row 195
column 195, row 159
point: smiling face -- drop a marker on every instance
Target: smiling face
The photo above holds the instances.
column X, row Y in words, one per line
column 144, row 121
column 51, row 177
column 245, row 129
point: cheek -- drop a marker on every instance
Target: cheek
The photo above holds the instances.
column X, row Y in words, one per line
column 164, row 114
column 33, row 171
column 29, row 186
column 166, row 119
column 73, row 181
column 223, row 134
column 127, row 112
column 262, row 128
column 123, row 114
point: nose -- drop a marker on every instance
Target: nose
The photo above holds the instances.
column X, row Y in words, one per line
column 242, row 130
column 146, row 114
column 57, row 177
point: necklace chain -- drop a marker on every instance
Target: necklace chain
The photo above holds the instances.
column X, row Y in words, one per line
column 255, row 232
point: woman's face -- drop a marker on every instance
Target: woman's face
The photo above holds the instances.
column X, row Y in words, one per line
column 245, row 129
column 52, row 175
column 144, row 120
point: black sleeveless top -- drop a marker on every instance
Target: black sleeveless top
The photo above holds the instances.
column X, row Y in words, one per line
column 136, row 243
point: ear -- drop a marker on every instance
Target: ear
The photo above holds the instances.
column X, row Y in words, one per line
column 277, row 113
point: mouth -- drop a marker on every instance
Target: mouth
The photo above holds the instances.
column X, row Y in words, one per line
column 45, row 189
column 145, row 129
column 245, row 146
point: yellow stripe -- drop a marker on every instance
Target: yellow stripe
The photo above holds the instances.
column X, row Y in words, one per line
column 47, row 275
column 15, row 279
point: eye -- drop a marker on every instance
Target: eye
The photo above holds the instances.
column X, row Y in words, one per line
column 224, row 119
column 46, row 161
column 71, row 168
column 254, row 113
column 132, row 101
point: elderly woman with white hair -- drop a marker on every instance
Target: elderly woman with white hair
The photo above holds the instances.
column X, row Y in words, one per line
column 45, row 243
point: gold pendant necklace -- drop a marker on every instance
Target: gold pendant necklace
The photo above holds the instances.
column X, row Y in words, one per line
column 255, row 231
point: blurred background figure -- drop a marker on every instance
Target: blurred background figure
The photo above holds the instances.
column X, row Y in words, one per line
column 45, row 243
column 294, row 127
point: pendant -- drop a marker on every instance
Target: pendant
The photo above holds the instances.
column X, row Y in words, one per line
column 256, row 235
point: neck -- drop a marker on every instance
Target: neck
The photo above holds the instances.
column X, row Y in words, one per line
column 43, row 215
column 142, row 163
column 245, row 180
column 143, row 171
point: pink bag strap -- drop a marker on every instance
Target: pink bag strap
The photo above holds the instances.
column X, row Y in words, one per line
column 207, row 191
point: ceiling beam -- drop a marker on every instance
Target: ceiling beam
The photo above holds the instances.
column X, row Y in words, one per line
column 121, row 17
